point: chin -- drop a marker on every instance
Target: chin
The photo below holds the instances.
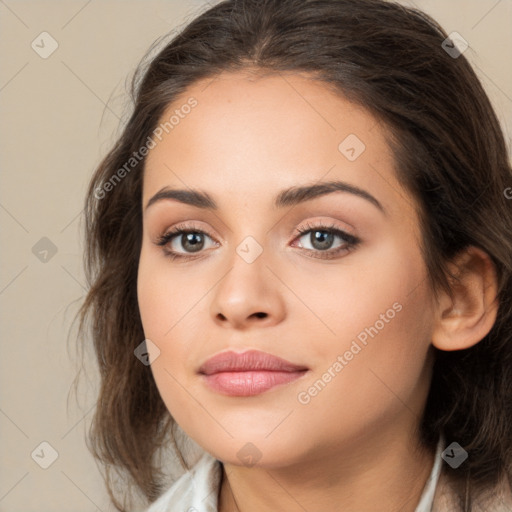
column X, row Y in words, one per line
column 251, row 451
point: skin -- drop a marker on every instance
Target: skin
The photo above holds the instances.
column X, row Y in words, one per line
column 354, row 445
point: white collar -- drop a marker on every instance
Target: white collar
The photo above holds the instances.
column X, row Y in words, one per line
column 197, row 490
column 427, row 496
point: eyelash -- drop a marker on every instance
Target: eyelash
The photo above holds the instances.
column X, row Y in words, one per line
column 350, row 241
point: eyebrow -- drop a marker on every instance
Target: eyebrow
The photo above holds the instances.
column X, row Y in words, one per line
column 288, row 197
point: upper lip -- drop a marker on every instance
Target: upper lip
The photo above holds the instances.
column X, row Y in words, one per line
column 251, row 360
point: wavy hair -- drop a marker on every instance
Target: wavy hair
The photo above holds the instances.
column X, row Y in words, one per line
column 450, row 155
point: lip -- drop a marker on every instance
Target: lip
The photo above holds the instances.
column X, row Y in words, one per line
column 248, row 373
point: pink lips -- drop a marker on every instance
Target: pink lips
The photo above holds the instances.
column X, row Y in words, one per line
column 249, row 373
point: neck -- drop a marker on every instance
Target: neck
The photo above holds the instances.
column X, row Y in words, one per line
column 386, row 475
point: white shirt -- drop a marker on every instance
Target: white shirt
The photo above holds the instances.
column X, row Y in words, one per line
column 197, row 490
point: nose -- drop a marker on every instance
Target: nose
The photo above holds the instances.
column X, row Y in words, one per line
column 249, row 295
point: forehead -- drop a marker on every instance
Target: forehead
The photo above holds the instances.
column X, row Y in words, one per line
column 251, row 134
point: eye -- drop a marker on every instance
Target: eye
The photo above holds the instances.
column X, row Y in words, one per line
column 321, row 238
column 190, row 238
column 193, row 240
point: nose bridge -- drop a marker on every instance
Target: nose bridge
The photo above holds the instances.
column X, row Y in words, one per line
column 255, row 238
column 248, row 291
column 249, row 230
column 248, row 261
column 250, row 249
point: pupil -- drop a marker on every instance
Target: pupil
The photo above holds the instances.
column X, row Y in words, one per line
column 321, row 239
column 196, row 241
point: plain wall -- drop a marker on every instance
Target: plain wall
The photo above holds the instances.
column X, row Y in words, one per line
column 59, row 116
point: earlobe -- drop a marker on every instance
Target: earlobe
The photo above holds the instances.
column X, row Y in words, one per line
column 466, row 317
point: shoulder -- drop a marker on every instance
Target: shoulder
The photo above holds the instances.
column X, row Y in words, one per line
column 195, row 491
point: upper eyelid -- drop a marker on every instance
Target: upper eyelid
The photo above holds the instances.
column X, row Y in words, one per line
column 319, row 224
column 324, row 225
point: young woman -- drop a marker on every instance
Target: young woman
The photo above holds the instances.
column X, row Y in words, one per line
column 299, row 254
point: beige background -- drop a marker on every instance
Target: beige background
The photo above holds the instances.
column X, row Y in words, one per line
column 58, row 117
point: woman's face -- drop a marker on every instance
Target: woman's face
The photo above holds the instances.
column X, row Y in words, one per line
column 351, row 312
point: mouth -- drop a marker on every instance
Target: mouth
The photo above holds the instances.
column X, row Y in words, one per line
column 249, row 373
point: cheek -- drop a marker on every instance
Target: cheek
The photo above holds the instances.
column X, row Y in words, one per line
column 160, row 311
column 173, row 312
column 378, row 295
column 153, row 301
column 163, row 299
column 383, row 328
column 163, row 310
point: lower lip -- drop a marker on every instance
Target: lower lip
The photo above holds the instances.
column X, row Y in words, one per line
column 249, row 383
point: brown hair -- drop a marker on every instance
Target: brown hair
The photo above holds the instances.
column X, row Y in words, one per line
column 450, row 154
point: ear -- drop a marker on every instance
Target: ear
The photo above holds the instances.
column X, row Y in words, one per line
column 464, row 319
